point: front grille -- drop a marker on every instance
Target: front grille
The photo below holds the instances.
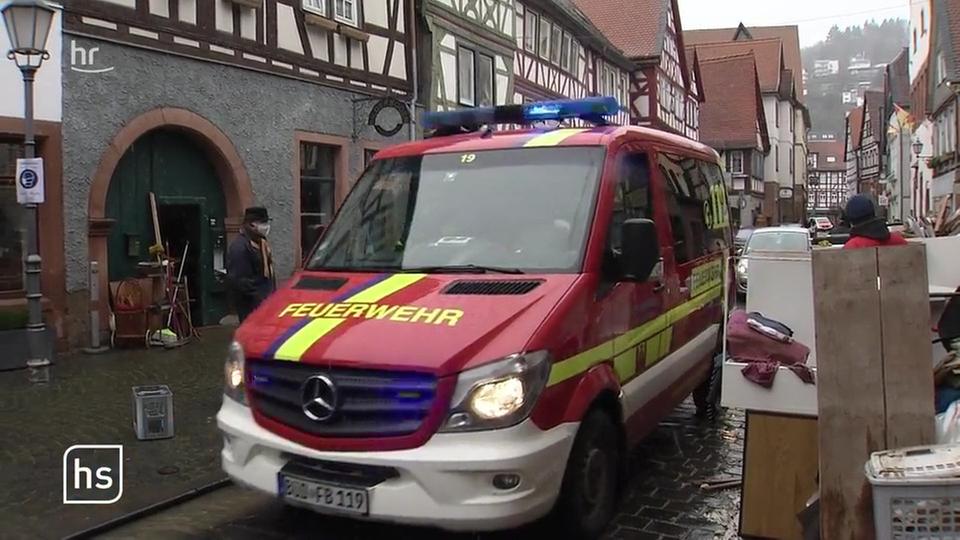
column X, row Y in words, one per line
column 370, row 403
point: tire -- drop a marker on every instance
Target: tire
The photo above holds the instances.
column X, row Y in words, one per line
column 589, row 494
column 707, row 396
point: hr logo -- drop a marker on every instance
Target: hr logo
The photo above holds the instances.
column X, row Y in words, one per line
column 93, row 474
column 85, row 58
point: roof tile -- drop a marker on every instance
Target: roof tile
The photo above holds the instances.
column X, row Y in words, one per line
column 767, row 54
column 730, row 115
column 634, row 26
column 826, row 149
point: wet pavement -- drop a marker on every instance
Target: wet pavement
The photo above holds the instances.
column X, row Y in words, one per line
column 663, row 499
column 88, row 401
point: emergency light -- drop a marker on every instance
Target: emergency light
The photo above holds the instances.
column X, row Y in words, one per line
column 592, row 109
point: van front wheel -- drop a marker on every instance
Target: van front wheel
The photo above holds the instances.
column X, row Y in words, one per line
column 588, row 497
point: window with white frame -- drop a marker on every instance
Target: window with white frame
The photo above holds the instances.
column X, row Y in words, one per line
column 544, row 49
column 735, row 162
column 530, row 32
column 475, row 78
column 565, row 53
column 556, row 43
column 346, row 11
column 574, row 57
column 466, row 81
column 316, row 6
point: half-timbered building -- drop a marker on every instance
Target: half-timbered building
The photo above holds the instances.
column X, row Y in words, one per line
column 871, row 145
column 851, row 149
column 215, row 105
column 560, row 54
column 664, row 92
column 468, row 46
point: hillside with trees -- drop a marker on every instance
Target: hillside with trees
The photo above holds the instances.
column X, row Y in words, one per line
column 844, row 65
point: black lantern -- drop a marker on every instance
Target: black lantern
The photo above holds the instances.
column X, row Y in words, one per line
column 917, row 147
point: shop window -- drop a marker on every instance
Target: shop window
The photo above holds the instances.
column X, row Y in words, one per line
column 12, row 239
column 317, row 190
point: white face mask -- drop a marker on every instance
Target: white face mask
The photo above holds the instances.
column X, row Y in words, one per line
column 262, row 228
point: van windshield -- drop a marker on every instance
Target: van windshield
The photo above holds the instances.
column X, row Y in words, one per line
column 523, row 210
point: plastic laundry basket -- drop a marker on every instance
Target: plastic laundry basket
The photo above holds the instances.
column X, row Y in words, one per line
column 916, row 492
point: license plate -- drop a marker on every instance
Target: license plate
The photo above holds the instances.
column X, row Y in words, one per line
column 323, row 495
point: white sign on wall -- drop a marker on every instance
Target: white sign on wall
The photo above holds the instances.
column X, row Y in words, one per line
column 30, row 181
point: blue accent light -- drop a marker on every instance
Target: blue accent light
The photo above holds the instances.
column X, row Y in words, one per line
column 589, row 109
column 593, row 109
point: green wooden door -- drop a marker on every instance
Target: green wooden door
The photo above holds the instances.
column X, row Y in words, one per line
column 191, row 206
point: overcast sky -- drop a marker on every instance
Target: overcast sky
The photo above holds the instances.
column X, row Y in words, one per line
column 814, row 17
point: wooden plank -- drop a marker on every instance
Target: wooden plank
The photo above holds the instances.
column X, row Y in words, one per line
column 850, row 386
column 907, row 373
column 779, row 474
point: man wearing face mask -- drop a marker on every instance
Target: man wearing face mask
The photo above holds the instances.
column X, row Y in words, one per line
column 250, row 275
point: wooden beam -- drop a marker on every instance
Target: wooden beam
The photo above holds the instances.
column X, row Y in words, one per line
column 850, row 386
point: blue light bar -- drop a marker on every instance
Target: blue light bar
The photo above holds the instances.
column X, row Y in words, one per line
column 592, row 109
column 587, row 109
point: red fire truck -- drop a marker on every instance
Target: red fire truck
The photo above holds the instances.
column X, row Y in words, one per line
column 490, row 322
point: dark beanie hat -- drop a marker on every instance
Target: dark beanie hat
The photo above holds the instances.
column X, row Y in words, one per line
column 255, row 214
column 859, row 208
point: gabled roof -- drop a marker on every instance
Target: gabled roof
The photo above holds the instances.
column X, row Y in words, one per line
column 873, row 103
column 897, row 80
column 789, row 35
column 733, row 110
column 636, row 27
column 825, row 149
column 768, row 54
column 855, row 123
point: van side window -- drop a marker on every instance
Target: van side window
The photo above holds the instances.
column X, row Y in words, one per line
column 631, row 198
column 697, row 205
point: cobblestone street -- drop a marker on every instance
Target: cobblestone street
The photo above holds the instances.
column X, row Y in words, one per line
column 663, row 499
column 88, row 401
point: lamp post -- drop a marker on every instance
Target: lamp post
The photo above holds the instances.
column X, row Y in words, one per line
column 917, row 147
column 28, row 25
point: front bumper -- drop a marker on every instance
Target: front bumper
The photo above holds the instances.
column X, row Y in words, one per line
column 445, row 483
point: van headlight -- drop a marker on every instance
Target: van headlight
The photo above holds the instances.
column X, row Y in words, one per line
column 233, row 374
column 500, row 394
column 742, row 268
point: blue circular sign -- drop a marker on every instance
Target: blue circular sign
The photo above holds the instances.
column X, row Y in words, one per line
column 28, row 179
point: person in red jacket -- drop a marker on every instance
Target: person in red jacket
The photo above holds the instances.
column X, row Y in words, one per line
column 866, row 229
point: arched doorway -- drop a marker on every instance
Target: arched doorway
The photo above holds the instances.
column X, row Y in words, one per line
column 191, row 209
column 173, row 144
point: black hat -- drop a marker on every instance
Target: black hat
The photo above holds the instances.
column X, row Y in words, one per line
column 859, row 209
column 255, row 214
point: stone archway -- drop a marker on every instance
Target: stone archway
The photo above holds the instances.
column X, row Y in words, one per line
column 232, row 174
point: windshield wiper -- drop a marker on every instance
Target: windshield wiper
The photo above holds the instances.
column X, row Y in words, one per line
column 463, row 269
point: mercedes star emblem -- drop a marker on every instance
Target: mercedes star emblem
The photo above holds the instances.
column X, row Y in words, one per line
column 319, row 396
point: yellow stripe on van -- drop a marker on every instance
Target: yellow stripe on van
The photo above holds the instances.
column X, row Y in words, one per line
column 553, row 138
column 296, row 345
column 657, row 333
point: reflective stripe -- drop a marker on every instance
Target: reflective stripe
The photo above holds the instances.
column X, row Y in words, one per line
column 662, row 325
column 553, row 138
column 301, row 341
column 625, row 364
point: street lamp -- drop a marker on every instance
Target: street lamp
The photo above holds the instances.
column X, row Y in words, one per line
column 917, row 147
column 28, row 25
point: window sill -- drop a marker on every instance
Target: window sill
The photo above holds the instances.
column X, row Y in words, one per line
column 255, row 4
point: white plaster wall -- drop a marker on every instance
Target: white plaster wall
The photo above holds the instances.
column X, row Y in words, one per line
column 47, row 93
column 919, row 55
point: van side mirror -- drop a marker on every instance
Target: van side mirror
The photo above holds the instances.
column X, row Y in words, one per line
column 641, row 248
